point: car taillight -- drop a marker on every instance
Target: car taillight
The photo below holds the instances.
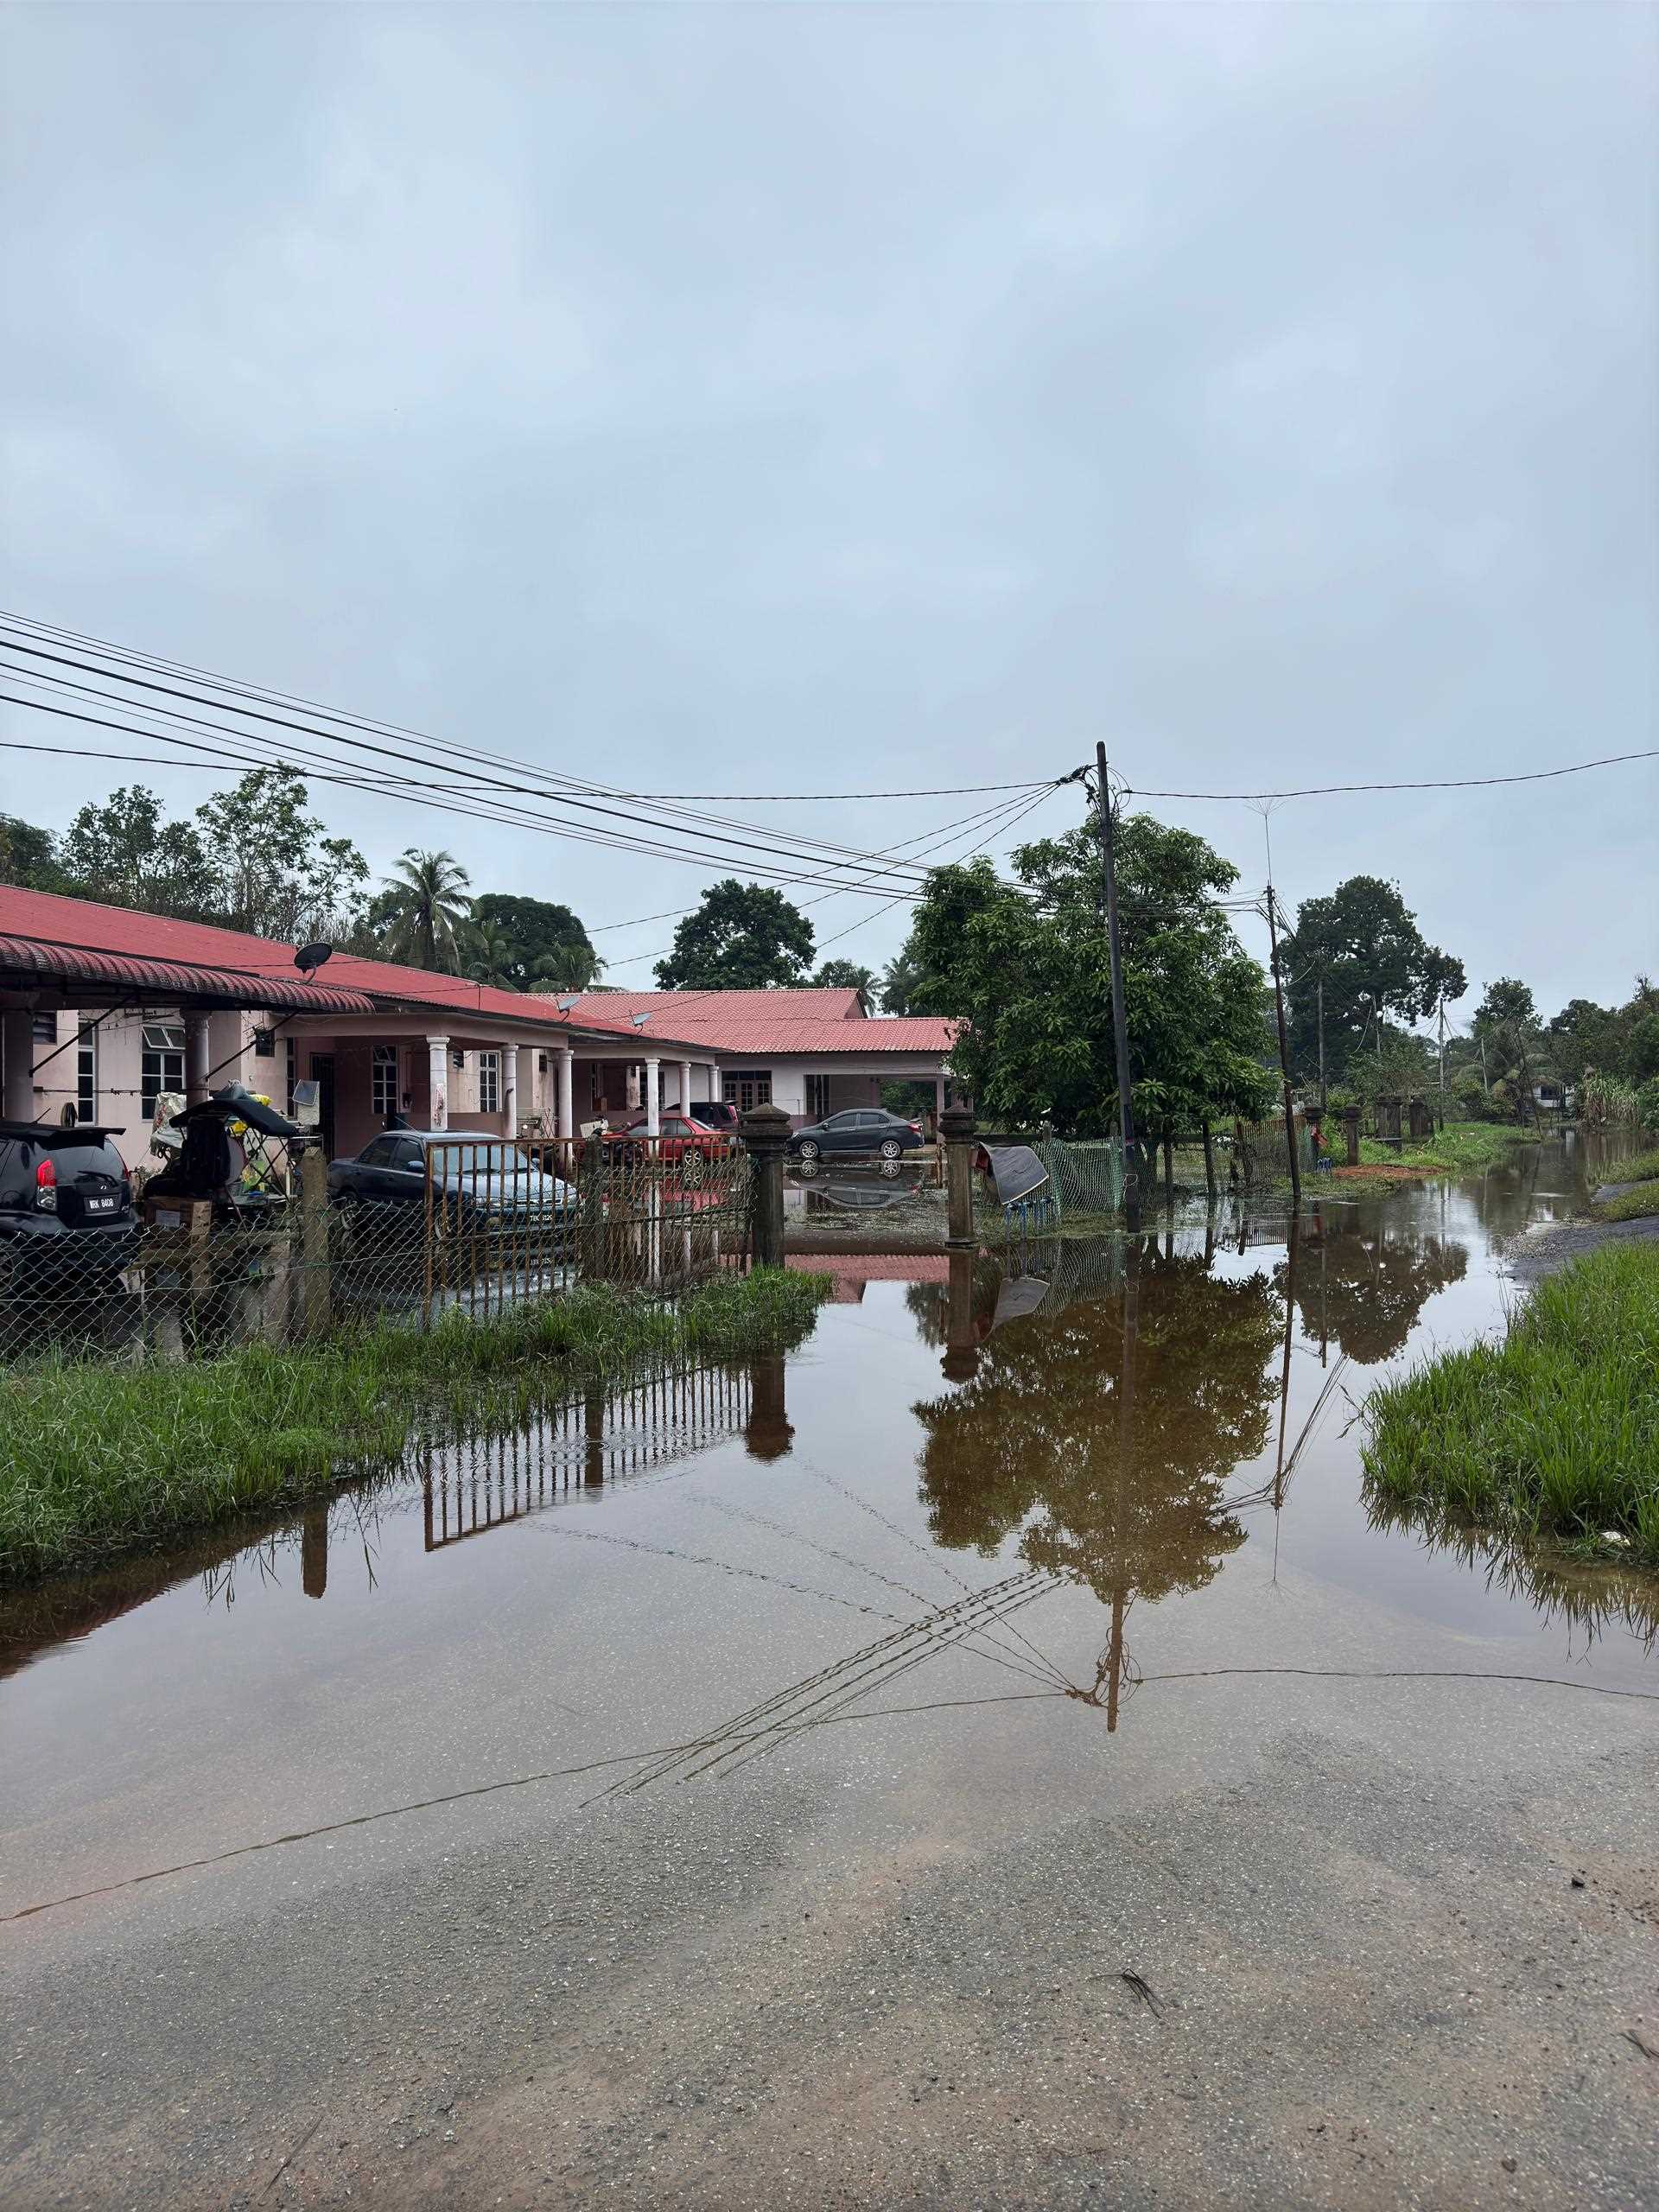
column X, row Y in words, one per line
column 46, row 1187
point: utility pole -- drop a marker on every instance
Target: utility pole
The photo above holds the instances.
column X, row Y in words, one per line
column 1284, row 1061
column 1442, row 1060
column 1324, row 1099
column 1120, row 1023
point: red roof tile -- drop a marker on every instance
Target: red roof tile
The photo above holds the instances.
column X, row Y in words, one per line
column 778, row 1023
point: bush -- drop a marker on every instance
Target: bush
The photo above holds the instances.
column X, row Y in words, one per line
column 1647, row 1103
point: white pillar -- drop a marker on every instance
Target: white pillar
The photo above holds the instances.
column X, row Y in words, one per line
column 567, row 1092
column 509, row 1075
column 713, row 1080
column 437, row 1079
column 653, row 1102
column 196, row 1059
column 17, row 1042
column 685, row 1086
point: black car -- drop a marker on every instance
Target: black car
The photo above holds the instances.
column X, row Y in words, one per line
column 477, row 1177
column 714, row 1114
column 861, row 1128
column 65, row 1206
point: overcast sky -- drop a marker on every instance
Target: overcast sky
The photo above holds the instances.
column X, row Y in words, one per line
column 809, row 397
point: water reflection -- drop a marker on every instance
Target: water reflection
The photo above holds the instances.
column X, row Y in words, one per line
column 1362, row 1289
column 1104, row 1432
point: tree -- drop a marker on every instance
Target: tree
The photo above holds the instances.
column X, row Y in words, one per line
column 847, row 975
column 1506, row 1028
column 906, row 986
column 1363, row 945
column 744, row 937
column 546, row 942
column 424, row 909
column 490, row 958
column 28, row 856
column 276, row 871
column 124, row 853
column 1025, row 968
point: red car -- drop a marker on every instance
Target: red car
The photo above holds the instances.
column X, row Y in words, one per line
column 682, row 1141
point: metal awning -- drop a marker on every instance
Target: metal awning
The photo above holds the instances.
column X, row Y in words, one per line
column 27, row 963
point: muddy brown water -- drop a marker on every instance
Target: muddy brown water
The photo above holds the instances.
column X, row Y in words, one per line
column 1008, row 1541
column 963, row 1453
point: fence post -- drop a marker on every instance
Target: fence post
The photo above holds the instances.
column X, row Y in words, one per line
column 1350, row 1131
column 1422, row 1127
column 957, row 1128
column 591, row 1198
column 765, row 1131
column 1209, row 1164
column 313, row 1216
column 1388, row 1119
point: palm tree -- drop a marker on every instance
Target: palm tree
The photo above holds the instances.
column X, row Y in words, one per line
column 424, row 909
column 492, row 959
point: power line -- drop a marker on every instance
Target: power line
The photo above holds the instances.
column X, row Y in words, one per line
column 1444, row 784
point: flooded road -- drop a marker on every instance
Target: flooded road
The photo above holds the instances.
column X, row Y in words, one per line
column 758, row 1788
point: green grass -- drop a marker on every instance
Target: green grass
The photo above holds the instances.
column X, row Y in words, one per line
column 1634, row 1204
column 1458, row 1148
column 1641, row 1167
column 1553, row 1433
column 99, row 1459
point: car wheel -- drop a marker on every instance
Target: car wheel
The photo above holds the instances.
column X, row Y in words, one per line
column 891, row 1147
column 809, row 1147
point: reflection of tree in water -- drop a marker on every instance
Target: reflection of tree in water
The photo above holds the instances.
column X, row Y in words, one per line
column 1365, row 1291
column 1036, row 1431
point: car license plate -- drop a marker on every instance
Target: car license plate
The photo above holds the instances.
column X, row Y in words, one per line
column 100, row 1205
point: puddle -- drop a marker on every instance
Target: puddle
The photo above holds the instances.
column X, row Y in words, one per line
column 986, row 1493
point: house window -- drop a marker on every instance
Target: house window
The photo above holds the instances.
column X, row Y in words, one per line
column 265, row 1044
column 383, row 1080
column 746, row 1088
column 291, row 1057
column 596, row 1084
column 817, row 1097
column 45, row 1029
column 86, row 1072
column 163, row 1062
column 489, row 1083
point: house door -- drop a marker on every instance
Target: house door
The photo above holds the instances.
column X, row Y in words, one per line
column 323, row 1074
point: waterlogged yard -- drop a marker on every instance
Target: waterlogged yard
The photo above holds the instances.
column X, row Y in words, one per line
column 995, row 1746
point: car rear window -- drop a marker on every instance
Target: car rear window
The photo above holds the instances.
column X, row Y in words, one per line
column 75, row 1160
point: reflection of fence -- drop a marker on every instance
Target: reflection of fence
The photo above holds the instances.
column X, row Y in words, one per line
column 477, row 1484
column 475, row 1223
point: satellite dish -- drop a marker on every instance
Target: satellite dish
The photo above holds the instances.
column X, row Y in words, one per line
column 638, row 1020
column 310, row 957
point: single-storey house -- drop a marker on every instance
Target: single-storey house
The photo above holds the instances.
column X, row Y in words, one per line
column 103, row 1009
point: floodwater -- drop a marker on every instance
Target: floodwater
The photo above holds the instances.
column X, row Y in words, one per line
column 1011, row 1544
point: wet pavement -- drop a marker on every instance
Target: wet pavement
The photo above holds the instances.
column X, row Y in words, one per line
column 758, row 1786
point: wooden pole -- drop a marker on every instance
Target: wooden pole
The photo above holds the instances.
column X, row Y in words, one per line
column 1120, row 1020
column 1209, row 1163
column 1284, row 1058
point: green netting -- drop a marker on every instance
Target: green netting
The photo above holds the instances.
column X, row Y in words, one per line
column 1087, row 1177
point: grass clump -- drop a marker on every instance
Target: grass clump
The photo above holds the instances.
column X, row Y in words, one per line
column 1634, row 1204
column 1643, row 1167
column 1554, row 1433
column 1459, row 1149
column 99, row 1459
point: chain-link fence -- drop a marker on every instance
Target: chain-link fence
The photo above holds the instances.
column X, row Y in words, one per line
column 417, row 1225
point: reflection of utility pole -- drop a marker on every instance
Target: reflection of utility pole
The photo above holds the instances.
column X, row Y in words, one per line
column 314, row 1552
column 1284, row 1060
column 1284, row 1376
column 1120, row 1020
column 1125, row 1449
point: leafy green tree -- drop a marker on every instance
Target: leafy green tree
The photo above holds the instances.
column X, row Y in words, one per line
column 1506, row 1028
column 125, row 853
column 489, row 959
column 1034, row 1444
column 28, row 856
column 425, row 911
column 847, row 975
column 1362, row 944
column 906, row 986
column 276, row 870
column 1583, row 1035
column 743, row 936
column 1025, row 968
column 546, row 943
